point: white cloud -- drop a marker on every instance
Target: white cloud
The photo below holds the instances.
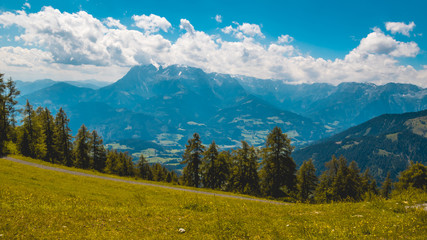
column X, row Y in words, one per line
column 244, row 30
column 400, row 27
column 379, row 43
column 152, row 23
column 218, row 18
column 27, row 5
column 251, row 30
column 186, row 25
column 228, row 30
column 32, row 64
column 111, row 22
column 80, row 39
column 23, row 57
column 285, row 39
column 70, row 46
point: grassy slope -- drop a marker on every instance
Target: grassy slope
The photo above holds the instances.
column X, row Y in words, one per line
column 37, row 203
column 94, row 172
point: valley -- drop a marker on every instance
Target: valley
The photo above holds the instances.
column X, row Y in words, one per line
column 155, row 110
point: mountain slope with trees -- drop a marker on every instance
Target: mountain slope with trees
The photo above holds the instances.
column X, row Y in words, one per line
column 384, row 144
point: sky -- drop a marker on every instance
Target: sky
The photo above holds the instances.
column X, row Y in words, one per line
column 303, row 41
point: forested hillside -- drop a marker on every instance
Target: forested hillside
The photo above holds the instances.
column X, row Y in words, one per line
column 384, row 144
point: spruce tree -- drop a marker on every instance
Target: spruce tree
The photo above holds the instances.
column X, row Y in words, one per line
column 159, row 172
column 209, row 168
column 82, row 148
column 8, row 93
column 97, row 152
column 368, row 185
column 413, row 177
column 4, row 122
column 172, row 177
column 306, row 180
column 111, row 163
column 125, row 165
column 278, row 167
column 339, row 182
column 63, row 139
column 144, row 169
column 12, row 94
column 193, row 158
column 244, row 174
column 48, row 126
column 323, row 192
column 346, row 183
column 223, row 170
column 386, row 187
column 31, row 135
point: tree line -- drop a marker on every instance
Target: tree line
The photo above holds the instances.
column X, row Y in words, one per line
column 269, row 171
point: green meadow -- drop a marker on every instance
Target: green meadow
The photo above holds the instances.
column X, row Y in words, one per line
column 42, row 204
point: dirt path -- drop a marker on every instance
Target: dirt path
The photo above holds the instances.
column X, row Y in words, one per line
column 138, row 183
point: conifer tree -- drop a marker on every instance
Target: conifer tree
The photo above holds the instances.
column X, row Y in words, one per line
column 127, row 167
column 8, row 93
column 223, row 170
column 244, row 175
column 413, row 177
column 30, row 139
column 172, row 177
column 209, row 169
column 144, row 169
column 159, row 172
column 193, row 158
column 82, row 148
column 111, row 163
column 386, row 187
column 169, row 177
column 12, row 94
column 347, row 184
column 339, row 182
column 368, row 185
column 278, row 167
column 119, row 163
column 63, row 139
column 306, row 180
column 4, row 119
column 97, row 151
column 48, row 127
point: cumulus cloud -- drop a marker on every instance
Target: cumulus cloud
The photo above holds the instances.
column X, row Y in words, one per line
column 379, row 43
column 151, row 23
column 23, row 57
column 26, row 5
column 218, row 18
column 62, row 45
column 251, row 30
column 285, row 39
column 20, row 63
column 79, row 38
column 244, row 30
column 111, row 22
column 186, row 25
column 400, row 27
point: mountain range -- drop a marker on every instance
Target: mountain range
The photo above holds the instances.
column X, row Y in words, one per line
column 29, row 87
column 155, row 110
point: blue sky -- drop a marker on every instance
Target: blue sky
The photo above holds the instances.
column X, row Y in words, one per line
column 321, row 41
